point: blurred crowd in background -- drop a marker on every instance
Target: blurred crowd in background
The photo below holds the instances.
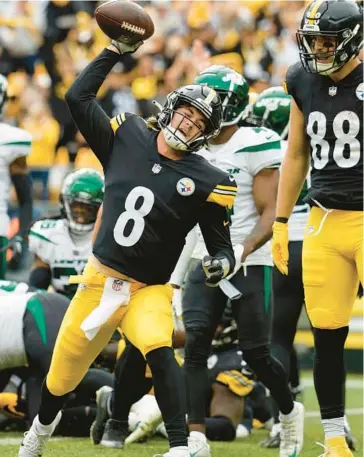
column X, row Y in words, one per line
column 45, row 44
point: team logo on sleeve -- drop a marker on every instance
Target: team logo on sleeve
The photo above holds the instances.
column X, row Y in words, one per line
column 185, row 187
column 360, row 91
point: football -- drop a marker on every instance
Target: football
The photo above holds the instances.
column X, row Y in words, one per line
column 124, row 21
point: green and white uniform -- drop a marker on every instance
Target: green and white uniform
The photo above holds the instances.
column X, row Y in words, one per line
column 65, row 253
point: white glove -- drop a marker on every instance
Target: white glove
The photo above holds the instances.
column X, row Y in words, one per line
column 177, row 309
column 238, row 254
column 124, row 48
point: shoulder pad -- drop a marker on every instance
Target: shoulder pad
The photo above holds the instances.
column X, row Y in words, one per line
column 118, row 120
column 295, row 75
column 224, row 192
column 256, row 139
column 14, row 142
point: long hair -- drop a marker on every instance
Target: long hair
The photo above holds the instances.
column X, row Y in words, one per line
column 152, row 123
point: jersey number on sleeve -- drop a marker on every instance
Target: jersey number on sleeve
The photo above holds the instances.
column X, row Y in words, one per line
column 134, row 214
column 346, row 127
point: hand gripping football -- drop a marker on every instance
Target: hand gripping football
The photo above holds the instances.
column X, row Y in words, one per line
column 124, row 21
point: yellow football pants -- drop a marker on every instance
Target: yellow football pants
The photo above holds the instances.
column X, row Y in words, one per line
column 332, row 262
column 146, row 321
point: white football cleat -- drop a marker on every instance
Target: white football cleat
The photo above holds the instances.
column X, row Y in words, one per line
column 292, row 432
column 175, row 453
column 149, row 417
column 198, row 447
column 34, row 442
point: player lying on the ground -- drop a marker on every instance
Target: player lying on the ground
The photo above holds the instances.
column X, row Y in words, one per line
column 29, row 325
column 63, row 243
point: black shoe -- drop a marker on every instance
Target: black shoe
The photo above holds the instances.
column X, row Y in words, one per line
column 114, row 434
column 273, row 440
column 102, row 414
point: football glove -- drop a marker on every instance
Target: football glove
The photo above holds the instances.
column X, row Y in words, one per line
column 16, row 246
column 280, row 246
column 215, row 269
column 124, row 48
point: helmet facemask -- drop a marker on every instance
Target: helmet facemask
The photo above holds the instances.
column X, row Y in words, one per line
column 81, row 197
column 231, row 113
column 209, row 107
column 346, row 48
column 81, row 214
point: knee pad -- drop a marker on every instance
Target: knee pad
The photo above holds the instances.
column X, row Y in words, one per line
column 197, row 347
column 322, row 318
column 59, row 387
column 220, row 428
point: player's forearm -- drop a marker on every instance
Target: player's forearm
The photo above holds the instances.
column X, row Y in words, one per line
column 89, row 81
column 23, row 189
column 261, row 233
column 90, row 118
column 293, row 174
column 181, row 267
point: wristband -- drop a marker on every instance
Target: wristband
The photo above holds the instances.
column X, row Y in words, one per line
column 282, row 220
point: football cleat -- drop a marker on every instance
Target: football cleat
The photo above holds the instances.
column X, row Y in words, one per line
column 198, row 448
column 273, row 440
column 34, row 443
column 350, row 440
column 336, row 447
column 102, row 414
column 148, row 412
column 175, row 453
column 292, row 432
column 114, row 434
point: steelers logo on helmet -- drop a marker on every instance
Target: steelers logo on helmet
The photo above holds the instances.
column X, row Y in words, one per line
column 185, row 187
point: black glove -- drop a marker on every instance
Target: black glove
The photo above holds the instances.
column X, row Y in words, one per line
column 17, row 247
column 215, row 269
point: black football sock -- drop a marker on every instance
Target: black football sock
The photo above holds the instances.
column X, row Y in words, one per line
column 170, row 393
column 130, row 383
column 271, row 373
column 197, row 349
column 329, row 371
column 50, row 405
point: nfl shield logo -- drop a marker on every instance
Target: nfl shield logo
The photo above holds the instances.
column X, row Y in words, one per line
column 116, row 285
column 332, row 91
column 156, row 168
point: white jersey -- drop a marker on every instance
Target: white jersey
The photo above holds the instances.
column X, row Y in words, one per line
column 12, row 309
column 248, row 151
column 299, row 217
column 66, row 255
column 14, row 143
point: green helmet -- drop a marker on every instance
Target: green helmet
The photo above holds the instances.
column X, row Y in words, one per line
column 271, row 109
column 81, row 196
column 232, row 88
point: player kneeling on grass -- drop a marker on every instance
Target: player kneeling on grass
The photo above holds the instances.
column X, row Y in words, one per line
column 156, row 191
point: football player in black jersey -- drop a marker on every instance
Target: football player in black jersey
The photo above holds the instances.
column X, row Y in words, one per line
column 156, row 190
column 326, row 126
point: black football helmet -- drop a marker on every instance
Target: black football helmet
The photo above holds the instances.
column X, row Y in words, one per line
column 203, row 98
column 339, row 19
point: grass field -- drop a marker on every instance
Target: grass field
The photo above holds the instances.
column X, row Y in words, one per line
column 246, row 448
